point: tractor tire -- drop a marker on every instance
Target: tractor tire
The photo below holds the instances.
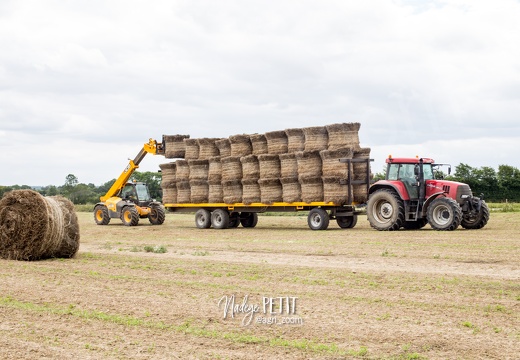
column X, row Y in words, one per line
column 234, row 220
column 444, row 214
column 220, row 219
column 157, row 215
column 130, row 216
column 249, row 219
column 318, row 219
column 346, row 222
column 203, row 219
column 477, row 221
column 385, row 210
column 101, row 216
column 415, row 225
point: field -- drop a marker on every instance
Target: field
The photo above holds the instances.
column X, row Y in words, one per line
column 161, row 292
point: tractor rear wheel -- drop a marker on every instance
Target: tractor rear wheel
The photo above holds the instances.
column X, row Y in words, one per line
column 346, row 222
column 157, row 215
column 101, row 216
column 220, row 219
column 385, row 210
column 444, row 214
column 478, row 221
column 203, row 219
column 130, row 216
column 248, row 219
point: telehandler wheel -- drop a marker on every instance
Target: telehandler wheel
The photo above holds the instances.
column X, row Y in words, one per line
column 101, row 216
column 130, row 216
column 157, row 215
column 444, row 214
column 234, row 220
column 478, row 221
column 220, row 219
column 249, row 219
column 203, row 219
column 385, row 210
column 318, row 219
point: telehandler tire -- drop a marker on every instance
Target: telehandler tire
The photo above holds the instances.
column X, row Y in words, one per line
column 444, row 214
column 101, row 216
column 385, row 210
column 130, row 216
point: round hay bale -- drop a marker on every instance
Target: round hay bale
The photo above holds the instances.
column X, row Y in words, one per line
column 168, row 174
column 215, row 192
column 269, row 166
column 331, row 165
column 344, row 135
column 232, row 191
column 231, row 168
column 276, row 142
column 295, row 140
column 312, row 188
column 224, row 147
column 199, row 191
column 309, row 163
column 288, row 165
column 207, row 148
column 359, row 170
column 334, row 191
column 270, row 190
column 250, row 167
column 183, row 192
column 33, row 227
column 182, row 171
column 169, row 195
column 215, row 169
column 240, row 145
column 174, row 146
column 192, row 149
column 316, row 138
column 250, row 191
column 259, row 144
column 199, row 169
column 291, row 189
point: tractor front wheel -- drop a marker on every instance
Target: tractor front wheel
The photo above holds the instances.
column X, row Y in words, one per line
column 130, row 216
column 478, row 220
column 444, row 214
column 385, row 210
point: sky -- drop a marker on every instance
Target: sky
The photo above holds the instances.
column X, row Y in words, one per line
column 84, row 84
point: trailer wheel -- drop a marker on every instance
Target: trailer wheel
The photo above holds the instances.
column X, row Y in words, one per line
column 234, row 220
column 203, row 219
column 444, row 214
column 220, row 219
column 318, row 219
column 476, row 221
column 249, row 219
column 129, row 216
column 101, row 216
column 385, row 210
column 346, row 222
column 156, row 216
column 415, row 225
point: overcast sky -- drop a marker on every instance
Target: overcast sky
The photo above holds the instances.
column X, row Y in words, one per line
column 84, row 84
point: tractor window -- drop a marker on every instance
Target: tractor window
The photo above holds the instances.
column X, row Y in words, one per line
column 392, row 173
column 142, row 192
column 428, row 172
column 400, row 171
column 128, row 192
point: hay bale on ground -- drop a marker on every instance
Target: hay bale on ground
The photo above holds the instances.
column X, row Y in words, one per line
column 224, row 147
column 182, row 172
column 250, row 191
column 199, row 191
column 334, row 191
column 33, row 227
column 207, row 148
column 295, row 140
column 250, row 167
column 259, row 144
column 199, row 169
column 168, row 174
column 192, row 149
column 231, row 168
column 240, row 145
column 309, row 163
column 270, row 190
column 316, row 138
column 330, row 162
column 169, row 195
column 276, row 142
column 174, row 146
column 215, row 192
column 232, row 191
column 291, row 189
column 215, row 169
column 288, row 165
column 183, row 192
column 312, row 188
column 269, row 166
column 344, row 135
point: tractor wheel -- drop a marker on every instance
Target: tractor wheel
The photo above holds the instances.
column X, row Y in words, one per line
column 385, row 210
column 444, row 214
column 478, row 221
column 101, row 216
column 415, row 225
column 249, row 219
column 157, row 215
column 318, row 219
column 220, row 219
column 346, row 222
column 203, row 219
column 234, row 220
column 129, row 216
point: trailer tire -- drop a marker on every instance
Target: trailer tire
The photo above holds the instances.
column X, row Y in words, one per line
column 234, row 220
column 157, row 215
column 203, row 219
column 346, row 222
column 415, row 225
column 385, row 210
column 318, row 219
column 220, row 219
column 129, row 216
column 249, row 219
column 444, row 214
column 101, row 216
column 478, row 221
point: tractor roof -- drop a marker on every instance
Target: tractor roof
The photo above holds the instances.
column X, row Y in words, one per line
column 414, row 160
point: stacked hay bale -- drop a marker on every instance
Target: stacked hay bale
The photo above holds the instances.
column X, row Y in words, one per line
column 168, row 183
column 33, row 227
column 292, row 165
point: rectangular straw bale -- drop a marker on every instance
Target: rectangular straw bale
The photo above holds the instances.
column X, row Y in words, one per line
column 169, row 195
column 168, row 173
column 330, row 162
column 316, row 138
column 295, row 140
column 276, row 142
column 174, row 146
column 269, row 166
column 183, row 192
column 231, row 168
column 215, row 169
column 309, row 163
column 240, row 145
column 250, row 191
column 270, row 190
column 288, row 165
column 199, row 191
column 312, row 188
column 207, row 148
column 334, row 191
column 250, row 167
column 232, row 191
column 198, row 169
column 259, row 144
column 224, row 147
column 216, row 194
column 291, row 189
column 343, row 135
column 182, row 172
column 192, row 149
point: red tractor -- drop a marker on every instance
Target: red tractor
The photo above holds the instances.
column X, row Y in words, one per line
column 411, row 197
